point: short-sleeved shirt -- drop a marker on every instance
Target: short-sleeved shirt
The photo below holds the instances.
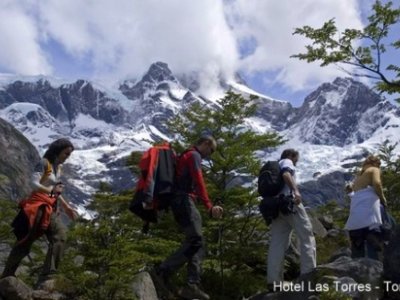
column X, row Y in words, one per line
column 40, row 169
column 287, row 165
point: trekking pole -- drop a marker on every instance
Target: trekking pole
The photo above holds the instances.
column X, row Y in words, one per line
column 219, row 201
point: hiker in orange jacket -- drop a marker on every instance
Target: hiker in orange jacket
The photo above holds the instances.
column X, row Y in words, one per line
column 40, row 212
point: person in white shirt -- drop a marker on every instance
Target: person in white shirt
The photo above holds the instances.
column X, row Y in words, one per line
column 282, row 226
column 42, row 212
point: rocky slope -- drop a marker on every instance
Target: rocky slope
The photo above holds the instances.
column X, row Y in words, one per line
column 17, row 160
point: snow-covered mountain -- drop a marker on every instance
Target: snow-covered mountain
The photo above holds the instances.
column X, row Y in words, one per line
column 337, row 122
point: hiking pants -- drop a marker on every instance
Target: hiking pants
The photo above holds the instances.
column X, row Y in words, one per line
column 365, row 237
column 191, row 250
column 281, row 229
column 56, row 236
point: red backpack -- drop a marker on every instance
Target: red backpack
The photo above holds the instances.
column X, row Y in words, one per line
column 156, row 183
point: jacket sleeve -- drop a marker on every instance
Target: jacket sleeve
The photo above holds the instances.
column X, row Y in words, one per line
column 198, row 180
column 151, row 175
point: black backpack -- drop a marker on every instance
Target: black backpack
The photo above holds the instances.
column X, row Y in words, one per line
column 270, row 181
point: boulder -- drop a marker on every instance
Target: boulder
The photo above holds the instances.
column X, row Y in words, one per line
column 344, row 251
column 366, row 272
column 44, row 295
column 17, row 161
column 326, row 221
column 318, row 228
column 391, row 262
column 12, row 288
column 143, row 287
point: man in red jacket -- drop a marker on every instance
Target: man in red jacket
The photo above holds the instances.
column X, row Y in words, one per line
column 189, row 186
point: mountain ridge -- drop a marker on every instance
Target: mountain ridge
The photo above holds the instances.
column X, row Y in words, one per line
column 106, row 125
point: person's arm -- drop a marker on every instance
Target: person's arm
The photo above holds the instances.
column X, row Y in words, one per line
column 71, row 213
column 197, row 176
column 377, row 184
column 288, row 178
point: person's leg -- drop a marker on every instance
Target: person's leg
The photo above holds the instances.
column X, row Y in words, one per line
column 17, row 254
column 279, row 243
column 357, row 239
column 56, row 235
column 192, row 248
column 303, row 228
column 22, row 248
column 182, row 208
column 195, row 252
column 374, row 244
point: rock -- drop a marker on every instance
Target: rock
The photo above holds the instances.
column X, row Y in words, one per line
column 342, row 285
column 344, row 251
column 296, row 295
column 391, row 261
column 318, row 228
column 48, row 285
column 12, row 288
column 334, row 232
column 143, row 287
column 15, row 177
column 44, row 295
column 365, row 272
column 326, row 221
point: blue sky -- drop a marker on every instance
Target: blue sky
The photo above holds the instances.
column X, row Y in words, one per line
column 109, row 41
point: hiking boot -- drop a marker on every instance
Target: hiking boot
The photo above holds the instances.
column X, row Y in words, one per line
column 161, row 283
column 192, row 291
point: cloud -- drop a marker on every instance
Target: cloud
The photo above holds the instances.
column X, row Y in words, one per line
column 124, row 37
column 271, row 24
column 121, row 38
column 20, row 51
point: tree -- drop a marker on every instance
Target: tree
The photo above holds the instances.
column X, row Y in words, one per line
column 391, row 175
column 236, row 266
column 330, row 47
column 107, row 251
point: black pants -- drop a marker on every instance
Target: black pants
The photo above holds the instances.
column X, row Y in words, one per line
column 365, row 237
column 56, row 235
column 191, row 250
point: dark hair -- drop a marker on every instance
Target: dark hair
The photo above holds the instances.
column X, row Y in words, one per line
column 206, row 138
column 289, row 153
column 56, row 148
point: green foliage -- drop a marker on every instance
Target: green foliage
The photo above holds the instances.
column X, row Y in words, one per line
column 391, row 177
column 106, row 252
column 328, row 46
column 8, row 212
column 236, row 254
column 133, row 162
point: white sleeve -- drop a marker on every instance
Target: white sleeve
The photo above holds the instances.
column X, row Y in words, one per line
column 287, row 165
column 37, row 175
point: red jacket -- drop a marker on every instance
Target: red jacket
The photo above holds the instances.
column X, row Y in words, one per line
column 190, row 176
column 30, row 207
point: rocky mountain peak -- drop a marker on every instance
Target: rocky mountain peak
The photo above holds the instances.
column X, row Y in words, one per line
column 156, row 78
column 158, row 72
column 337, row 113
